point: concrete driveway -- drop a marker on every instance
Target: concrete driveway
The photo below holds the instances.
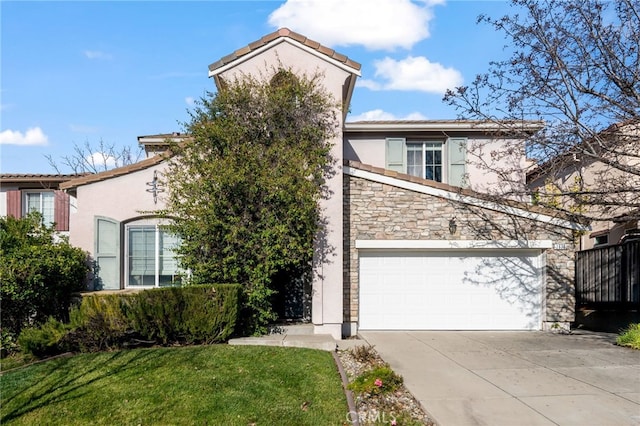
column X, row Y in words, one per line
column 516, row 378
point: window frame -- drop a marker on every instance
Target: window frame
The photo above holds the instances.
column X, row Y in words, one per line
column 25, row 204
column 427, row 146
column 158, row 255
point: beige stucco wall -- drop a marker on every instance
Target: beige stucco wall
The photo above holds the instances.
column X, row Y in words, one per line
column 326, row 312
column 484, row 170
column 377, row 211
column 120, row 198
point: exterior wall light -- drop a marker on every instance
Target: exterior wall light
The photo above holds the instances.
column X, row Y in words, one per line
column 453, row 226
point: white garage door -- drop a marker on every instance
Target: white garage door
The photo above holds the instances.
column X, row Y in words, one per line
column 446, row 290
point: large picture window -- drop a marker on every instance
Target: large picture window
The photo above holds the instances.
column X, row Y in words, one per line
column 151, row 257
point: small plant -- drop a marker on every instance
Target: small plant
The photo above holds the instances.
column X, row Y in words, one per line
column 380, row 380
column 365, row 354
column 630, row 337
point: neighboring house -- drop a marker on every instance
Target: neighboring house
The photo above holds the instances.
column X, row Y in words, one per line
column 23, row 193
column 612, row 194
column 409, row 243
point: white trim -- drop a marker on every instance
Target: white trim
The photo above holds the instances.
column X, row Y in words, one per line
column 454, row 244
column 466, row 199
column 283, row 39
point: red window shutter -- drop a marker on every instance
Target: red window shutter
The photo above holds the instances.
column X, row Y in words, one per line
column 14, row 203
column 61, row 211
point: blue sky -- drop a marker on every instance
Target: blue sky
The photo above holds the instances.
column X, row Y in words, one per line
column 76, row 72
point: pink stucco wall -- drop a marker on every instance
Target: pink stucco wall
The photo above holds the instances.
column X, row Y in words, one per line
column 121, row 198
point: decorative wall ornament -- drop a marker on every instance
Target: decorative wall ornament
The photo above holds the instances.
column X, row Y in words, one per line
column 155, row 187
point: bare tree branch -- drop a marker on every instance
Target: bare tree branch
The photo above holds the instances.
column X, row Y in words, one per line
column 95, row 159
column 575, row 64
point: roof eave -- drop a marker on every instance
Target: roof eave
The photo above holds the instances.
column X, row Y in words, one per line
column 475, row 126
column 117, row 172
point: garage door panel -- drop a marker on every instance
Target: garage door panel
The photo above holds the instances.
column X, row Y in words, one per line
column 450, row 290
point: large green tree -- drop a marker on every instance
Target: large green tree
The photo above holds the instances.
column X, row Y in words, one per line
column 244, row 189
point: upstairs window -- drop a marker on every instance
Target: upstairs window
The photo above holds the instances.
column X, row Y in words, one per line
column 424, row 160
column 41, row 202
column 433, row 160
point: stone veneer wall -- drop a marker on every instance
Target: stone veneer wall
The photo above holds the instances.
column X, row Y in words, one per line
column 376, row 211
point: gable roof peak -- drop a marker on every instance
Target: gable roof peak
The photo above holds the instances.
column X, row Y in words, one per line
column 284, row 32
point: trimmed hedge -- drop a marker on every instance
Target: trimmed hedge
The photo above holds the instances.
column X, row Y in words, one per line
column 184, row 315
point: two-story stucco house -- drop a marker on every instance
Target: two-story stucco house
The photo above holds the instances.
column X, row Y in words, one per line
column 413, row 242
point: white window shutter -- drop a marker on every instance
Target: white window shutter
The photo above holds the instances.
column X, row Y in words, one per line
column 457, row 154
column 396, row 154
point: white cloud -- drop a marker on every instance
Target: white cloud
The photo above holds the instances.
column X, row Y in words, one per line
column 369, row 84
column 374, row 24
column 380, row 115
column 413, row 73
column 33, row 136
column 414, row 116
column 100, row 159
column 189, row 100
column 97, row 54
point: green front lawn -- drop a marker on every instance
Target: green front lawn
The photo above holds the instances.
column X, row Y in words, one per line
column 220, row 384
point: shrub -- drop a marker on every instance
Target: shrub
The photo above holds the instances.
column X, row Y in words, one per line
column 210, row 313
column 194, row 314
column 380, row 380
column 39, row 272
column 98, row 323
column 630, row 337
column 155, row 314
column 45, row 340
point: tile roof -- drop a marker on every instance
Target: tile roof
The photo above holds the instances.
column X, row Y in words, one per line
column 98, row 177
column 38, row 177
column 284, row 32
